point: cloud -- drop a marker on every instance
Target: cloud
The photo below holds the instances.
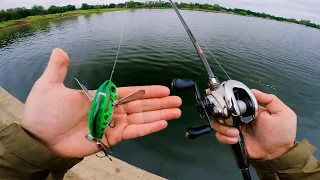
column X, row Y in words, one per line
column 299, row 9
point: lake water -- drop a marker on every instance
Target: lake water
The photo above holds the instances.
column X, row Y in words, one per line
column 274, row 57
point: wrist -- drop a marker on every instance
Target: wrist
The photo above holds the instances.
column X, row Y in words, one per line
column 34, row 137
column 39, row 140
column 19, row 142
column 279, row 152
column 298, row 153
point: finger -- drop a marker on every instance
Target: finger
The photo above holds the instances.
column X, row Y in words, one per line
column 152, row 104
column 261, row 109
column 272, row 102
column 154, row 91
column 150, row 91
column 225, row 139
column 57, row 67
column 135, row 130
column 225, row 130
column 152, row 116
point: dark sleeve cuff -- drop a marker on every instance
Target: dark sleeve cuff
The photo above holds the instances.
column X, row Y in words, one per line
column 18, row 142
column 299, row 152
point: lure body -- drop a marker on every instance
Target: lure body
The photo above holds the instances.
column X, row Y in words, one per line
column 101, row 110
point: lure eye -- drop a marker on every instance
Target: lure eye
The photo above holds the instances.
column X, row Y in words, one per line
column 113, row 89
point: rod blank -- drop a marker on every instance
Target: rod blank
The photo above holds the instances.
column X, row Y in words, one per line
column 194, row 42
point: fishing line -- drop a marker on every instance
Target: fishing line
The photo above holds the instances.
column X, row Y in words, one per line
column 119, row 47
column 204, row 44
column 215, row 59
column 207, row 50
column 213, row 56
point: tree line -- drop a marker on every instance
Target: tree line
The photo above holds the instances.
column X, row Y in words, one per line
column 22, row 12
column 218, row 8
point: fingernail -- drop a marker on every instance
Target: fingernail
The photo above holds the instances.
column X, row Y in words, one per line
column 232, row 140
column 232, row 132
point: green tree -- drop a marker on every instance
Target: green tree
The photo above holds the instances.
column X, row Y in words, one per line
column 293, row 20
column 131, row 4
column 84, row 6
column 191, row 5
column 56, row 9
column 304, row 22
column 4, row 15
column 37, row 10
column 120, row 5
column 97, row 7
column 204, row 6
column 112, row 5
column 22, row 12
column 12, row 14
column 215, row 7
column 243, row 13
column 70, row 7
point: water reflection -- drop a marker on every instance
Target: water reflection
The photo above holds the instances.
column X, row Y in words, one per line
column 17, row 34
column 87, row 16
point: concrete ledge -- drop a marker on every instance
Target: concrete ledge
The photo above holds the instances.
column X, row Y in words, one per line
column 11, row 109
column 92, row 167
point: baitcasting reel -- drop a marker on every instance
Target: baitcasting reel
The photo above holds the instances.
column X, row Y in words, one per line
column 231, row 103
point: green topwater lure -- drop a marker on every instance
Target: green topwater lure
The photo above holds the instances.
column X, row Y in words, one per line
column 100, row 113
column 103, row 103
column 101, row 110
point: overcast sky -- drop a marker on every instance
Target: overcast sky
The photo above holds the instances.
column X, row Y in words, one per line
column 299, row 9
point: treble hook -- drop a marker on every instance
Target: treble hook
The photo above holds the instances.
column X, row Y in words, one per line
column 104, row 149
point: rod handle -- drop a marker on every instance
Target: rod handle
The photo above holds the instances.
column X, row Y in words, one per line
column 239, row 153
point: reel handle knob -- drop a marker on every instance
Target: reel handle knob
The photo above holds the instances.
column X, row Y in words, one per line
column 192, row 133
column 182, row 84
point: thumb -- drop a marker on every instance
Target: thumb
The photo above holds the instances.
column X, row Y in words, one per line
column 272, row 102
column 57, row 68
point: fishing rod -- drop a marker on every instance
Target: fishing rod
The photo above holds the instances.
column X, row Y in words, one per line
column 230, row 103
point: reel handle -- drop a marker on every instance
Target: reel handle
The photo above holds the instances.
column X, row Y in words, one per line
column 182, row 84
column 192, row 133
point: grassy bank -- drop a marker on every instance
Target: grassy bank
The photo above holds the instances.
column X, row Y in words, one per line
column 34, row 19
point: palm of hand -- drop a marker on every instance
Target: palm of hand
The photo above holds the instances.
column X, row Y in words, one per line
column 254, row 135
column 270, row 135
column 57, row 115
column 260, row 136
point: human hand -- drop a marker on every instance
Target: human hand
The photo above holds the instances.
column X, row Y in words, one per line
column 57, row 116
column 270, row 135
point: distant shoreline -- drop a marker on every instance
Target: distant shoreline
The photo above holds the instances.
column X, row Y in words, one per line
column 11, row 24
column 222, row 12
column 7, row 25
